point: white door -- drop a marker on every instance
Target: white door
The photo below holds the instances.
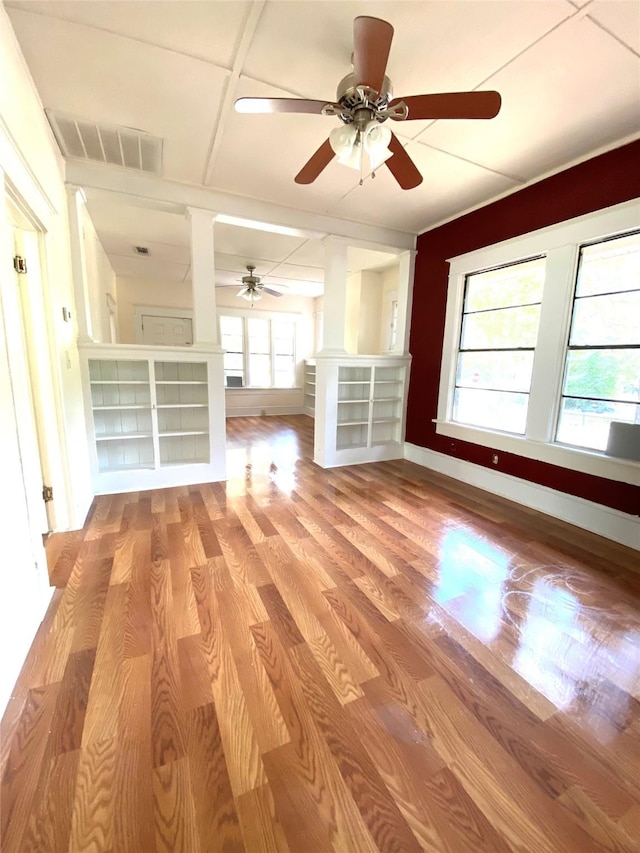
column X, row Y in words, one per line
column 166, row 331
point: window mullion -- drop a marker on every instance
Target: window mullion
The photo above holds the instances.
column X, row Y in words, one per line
column 553, row 331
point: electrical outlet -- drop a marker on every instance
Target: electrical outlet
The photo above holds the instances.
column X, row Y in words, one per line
column 494, row 458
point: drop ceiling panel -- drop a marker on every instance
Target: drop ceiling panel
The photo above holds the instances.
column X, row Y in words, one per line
column 107, row 78
column 251, row 243
column 121, row 245
column 262, row 154
column 449, row 184
column 368, row 259
column 295, row 272
column 208, row 31
column 140, row 224
column 149, row 268
column 537, row 129
column 620, row 17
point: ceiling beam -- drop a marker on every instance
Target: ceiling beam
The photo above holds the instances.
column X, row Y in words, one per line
column 138, row 189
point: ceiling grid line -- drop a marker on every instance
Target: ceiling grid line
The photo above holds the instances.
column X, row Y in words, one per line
column 231, row 86
column 573, row 16
column 613, row 35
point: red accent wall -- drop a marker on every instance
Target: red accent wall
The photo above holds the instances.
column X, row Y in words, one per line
column 606, row 180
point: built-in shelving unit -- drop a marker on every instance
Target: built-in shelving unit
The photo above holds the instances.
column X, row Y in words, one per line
column 362, row 408
column 310, row 388
column 150, row 412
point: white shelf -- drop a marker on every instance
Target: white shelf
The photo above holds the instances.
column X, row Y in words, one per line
column 123, row 435
column 183, row 405
column 175, row 464
column 170, row 433
column 120, row 382
column 181, row 382
column 121, row 406
column 129, row 466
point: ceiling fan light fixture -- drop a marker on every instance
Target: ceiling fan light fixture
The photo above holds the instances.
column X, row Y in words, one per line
column 252, row 296
column 342, row 140
column 376, row 143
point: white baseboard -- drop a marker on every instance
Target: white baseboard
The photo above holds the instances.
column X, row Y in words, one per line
column 611, row 523
column 258, row 411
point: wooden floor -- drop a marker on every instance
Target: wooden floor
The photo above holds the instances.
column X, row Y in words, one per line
column 362, row 659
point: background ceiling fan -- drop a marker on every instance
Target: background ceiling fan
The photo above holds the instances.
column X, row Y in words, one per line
column 252, row 287
column 364, row 101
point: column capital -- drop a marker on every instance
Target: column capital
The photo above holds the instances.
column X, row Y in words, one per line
column 73, row 190
column 201, row 213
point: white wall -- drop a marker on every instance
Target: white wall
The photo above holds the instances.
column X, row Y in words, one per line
column 101, row 280
column 148, row 292
column 33, row 167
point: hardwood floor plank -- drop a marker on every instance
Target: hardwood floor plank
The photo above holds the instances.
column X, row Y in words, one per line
column 93, row 815
column 216, row 815
column 380, row 813
column 261, row 829
column 23, row 766
column 236, row 729
column 49, row 828
column 173, row 809
column 133, row 810
column 368, row 658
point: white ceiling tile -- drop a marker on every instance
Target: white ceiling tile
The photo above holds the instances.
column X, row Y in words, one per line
column 252, row 243
column 150, row 268
column 209, row 31
column 141, row 224
column 551, row 115
column 262, row 154
column 120, row 244
column 154, row 90
column 620, row 17
column 448, row 185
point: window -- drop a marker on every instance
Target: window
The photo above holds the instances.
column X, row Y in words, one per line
column 260, row 351
column 602, row 368
column 498, row 335
column 542, row 344
column 231, row 335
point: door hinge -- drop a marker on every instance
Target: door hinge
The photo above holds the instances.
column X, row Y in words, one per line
column 20, row 264
column 47, row 494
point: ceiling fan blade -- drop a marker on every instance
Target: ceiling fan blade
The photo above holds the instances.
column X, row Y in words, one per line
column 271, row 292
column 318, row 161
column 451, row 105
column 401, row 166
column 371, row 45
column 284, row 105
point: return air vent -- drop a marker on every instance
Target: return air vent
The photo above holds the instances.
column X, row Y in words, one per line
column 119, row 146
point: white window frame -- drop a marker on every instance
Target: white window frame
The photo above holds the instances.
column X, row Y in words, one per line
column 272, row 316
column 560, row 244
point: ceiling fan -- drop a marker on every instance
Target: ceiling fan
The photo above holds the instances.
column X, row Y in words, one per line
column 364, row 101
column 252, row 287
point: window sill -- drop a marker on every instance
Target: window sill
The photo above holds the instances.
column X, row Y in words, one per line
column 242, row 389
column 573, row 458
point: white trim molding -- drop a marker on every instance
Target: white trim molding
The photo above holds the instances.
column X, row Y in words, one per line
column 605, row 521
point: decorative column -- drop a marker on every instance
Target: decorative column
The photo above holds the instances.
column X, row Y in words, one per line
column 203, row 278
column 205, row 328
column 406, row 268
column 76, row 203
column 335, row 295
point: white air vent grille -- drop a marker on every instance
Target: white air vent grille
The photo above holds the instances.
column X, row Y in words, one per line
column 119, row 146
